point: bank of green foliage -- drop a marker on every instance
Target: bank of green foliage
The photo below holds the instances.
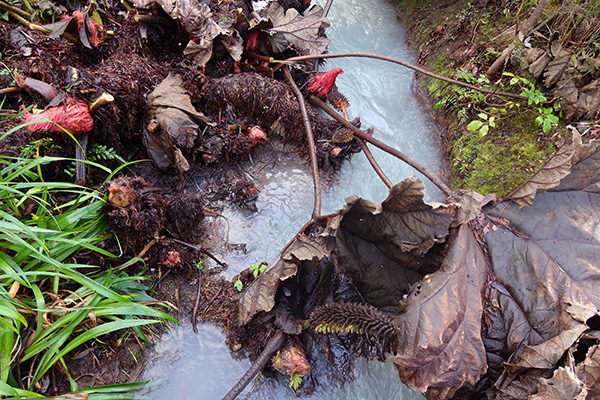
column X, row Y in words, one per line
column 49, row 302
column 493, row 143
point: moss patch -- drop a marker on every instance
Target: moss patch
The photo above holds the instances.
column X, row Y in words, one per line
column 456, row 35
column 502, row 160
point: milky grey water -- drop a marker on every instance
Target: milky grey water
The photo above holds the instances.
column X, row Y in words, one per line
column 200, row 367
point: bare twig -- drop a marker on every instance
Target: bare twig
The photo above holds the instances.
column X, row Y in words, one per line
column 272, row 346
column 405, row 64
column 200, row 249
column 311, row 143
column 198, row 293
column 373, row 162
column 413, row 163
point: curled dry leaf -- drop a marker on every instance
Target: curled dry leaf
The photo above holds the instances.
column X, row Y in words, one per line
column 305, row 34
column 196, row 19
column 260, row 295
column 563, row 385
column 171, row 124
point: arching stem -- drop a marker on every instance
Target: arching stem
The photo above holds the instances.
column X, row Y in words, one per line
column 405, row 64
column 311, row 143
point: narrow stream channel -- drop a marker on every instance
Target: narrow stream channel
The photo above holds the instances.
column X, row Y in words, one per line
column 200, row 366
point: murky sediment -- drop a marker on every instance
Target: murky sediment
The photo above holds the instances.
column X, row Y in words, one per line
column 201, row 367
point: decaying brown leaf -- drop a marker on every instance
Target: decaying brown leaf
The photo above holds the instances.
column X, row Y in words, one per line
column 563, row 385
column 260, row 295
column 303, row 33
column 439, row 345
column 171, row 124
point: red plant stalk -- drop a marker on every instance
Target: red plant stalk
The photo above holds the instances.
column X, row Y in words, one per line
column 74, row 116
column 322, row 83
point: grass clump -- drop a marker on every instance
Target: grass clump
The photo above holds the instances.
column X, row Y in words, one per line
column 50, row 302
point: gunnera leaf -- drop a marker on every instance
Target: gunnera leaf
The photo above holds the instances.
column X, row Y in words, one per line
column 440, row 348
column 171, row 124
column 387, row 247
column 303, row 33
column 546, row 262
column 260, row 295
column 563, row 385
column 551, row 173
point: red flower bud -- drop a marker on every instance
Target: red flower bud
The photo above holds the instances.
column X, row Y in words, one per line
column 74, row 116
column 256, row 135
column 322, row 83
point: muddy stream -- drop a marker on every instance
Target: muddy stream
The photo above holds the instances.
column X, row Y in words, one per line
column 190, row 366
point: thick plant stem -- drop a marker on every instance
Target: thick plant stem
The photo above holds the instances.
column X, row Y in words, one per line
column 272, row 346
column 407, row 65
column 367, row 138
column 311, row 143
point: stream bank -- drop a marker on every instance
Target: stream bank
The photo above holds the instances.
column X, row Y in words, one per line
column 559, row 57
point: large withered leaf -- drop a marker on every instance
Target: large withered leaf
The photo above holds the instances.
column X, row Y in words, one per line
column 547, row 263
column 563, row 385
column 588, row 371
column 439, row 342
column 260, row 295
column 402, row 222
column 171, row 124
column 551, row 173
column 303, row 33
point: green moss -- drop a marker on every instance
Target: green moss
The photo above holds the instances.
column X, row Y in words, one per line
column 502, row 160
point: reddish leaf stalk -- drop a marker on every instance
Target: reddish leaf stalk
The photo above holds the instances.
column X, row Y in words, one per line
column 311, row 143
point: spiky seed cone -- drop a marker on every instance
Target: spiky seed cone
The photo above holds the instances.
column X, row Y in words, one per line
column 354, row 318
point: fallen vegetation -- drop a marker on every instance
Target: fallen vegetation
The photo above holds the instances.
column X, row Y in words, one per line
column 478, row 297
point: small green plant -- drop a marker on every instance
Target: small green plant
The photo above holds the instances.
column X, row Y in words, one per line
column 546, row 119
column 238, row 285
column 199, row 264
column 295, row 380
column 38, row 147
column 97, row 153
column 258, row 268
column 483, row 125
